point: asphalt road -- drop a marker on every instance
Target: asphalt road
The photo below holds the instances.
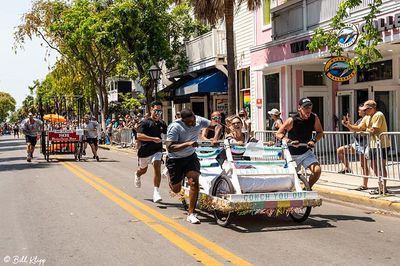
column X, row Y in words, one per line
column 89, row 213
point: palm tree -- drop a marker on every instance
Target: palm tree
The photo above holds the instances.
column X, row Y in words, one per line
column 212, row 12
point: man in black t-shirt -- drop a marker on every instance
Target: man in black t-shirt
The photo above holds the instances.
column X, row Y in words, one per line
column 300, row 129
column 150, row 147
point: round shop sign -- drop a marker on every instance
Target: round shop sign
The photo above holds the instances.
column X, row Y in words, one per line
column 347, row 36
column 336, row 69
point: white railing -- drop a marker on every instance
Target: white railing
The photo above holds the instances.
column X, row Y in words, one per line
column 123, row 137
column 207, row 46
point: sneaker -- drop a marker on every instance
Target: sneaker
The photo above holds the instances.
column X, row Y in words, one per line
column 97, row 158
column 345, row 171
column 138, row 182
column 191, row 218
column 28, row 159
column 156, row 197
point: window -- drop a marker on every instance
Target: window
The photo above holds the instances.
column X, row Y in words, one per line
column 376, row 71
column 267, row 12
column 243, row 82
column 313, row 78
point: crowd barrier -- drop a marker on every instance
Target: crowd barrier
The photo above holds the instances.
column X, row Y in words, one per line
column 357, row 151
column 123, row 137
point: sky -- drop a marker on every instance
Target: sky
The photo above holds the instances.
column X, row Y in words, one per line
column 19, row 70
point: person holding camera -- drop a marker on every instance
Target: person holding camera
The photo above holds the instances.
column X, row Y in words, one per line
column 359, row 147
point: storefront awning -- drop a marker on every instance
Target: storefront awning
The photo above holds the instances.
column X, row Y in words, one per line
column 215, row 81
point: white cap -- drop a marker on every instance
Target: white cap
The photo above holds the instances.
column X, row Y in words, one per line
column 274, row 111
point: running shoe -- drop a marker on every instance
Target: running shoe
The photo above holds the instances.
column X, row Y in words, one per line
column 156, row 197
column 138, row 182
column 191, row 218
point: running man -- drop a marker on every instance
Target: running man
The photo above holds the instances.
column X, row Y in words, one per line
column 300, row 129
column 16, row 130
column 31, row 128
column 182, row 160
column 91, row 134
column 150, row 147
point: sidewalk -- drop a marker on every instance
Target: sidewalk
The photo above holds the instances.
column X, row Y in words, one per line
column 339, row 187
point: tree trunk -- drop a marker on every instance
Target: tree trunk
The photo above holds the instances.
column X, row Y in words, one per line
column 230, row 51
column 149, row 96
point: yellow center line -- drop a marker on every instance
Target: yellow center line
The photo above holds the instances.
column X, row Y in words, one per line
column 186, row 246
column 229, row 256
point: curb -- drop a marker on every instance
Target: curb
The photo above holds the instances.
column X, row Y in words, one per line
column 379, row 203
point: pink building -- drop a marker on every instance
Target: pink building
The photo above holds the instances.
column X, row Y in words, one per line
column 283, row 70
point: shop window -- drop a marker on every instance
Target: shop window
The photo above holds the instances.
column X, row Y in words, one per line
column 267, row 12
column 376, row 71
column 243, row 85
column 313, row 78
column 272, row 94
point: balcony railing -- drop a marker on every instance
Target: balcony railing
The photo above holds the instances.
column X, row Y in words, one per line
column 205, row 51
column 296, row 16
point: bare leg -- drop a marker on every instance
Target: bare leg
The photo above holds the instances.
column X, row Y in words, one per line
column 316, row 173
column 193, row 179
column 141, row 171
column 157, row 173
column 341, row 152
column 365, row 170
column 94, row 149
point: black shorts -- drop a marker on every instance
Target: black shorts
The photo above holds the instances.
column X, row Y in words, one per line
column 92, row 141
column 178, row 168
column 31, row 140
column 375, row 153
column 16, row 131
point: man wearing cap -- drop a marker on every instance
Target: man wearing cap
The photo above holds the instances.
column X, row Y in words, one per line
column 375, row 124
column 150, row 147
column 300, row 129
column 31, row 127
column 182, row 160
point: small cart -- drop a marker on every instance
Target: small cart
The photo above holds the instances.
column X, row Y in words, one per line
column 252, row 179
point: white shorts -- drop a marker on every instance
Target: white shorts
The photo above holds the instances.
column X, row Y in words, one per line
column 306, row 159
column 145, row 161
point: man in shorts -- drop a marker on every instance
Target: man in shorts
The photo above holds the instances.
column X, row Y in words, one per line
column 300, row 129
column 150, row 147
column 91, row 134
column 182, row 160
column 31, row 127
column 375, row 124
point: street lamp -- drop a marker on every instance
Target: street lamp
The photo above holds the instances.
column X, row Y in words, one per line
column 155, row 73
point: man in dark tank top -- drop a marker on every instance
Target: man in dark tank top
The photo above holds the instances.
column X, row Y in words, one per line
column 299, row 128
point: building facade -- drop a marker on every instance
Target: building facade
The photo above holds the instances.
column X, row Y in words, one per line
column 283, row 70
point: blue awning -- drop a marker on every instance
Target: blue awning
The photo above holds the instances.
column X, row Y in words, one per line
column 215, row 81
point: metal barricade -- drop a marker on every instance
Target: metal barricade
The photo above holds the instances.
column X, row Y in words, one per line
column 388, row 156
column 265, row 135
column 126, row 137
column 123, row 137
column 338, row 150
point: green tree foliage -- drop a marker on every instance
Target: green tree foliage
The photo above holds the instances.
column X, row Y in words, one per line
column 7, row 105
column 212, row 12
column 129, row 103
column 83, row 32
column 365, row 49
column 152, row 32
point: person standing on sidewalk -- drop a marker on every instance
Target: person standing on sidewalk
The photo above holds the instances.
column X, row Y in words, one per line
column 375, row 124
column 31, row 127
column 300, row 129
column 182, row 160
column 150, row 147
column 359, row 147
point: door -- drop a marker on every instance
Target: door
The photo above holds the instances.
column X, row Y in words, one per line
column 345, row 107
column 385, row 102
column 321, row 106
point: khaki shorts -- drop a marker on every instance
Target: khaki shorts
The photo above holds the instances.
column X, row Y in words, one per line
column 145, row 161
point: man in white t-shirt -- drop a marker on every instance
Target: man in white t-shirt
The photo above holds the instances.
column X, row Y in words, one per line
column 31, row 127
column 91, row 134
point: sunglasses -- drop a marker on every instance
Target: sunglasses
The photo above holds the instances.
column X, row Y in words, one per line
column 216, row 118
column 158, row 111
